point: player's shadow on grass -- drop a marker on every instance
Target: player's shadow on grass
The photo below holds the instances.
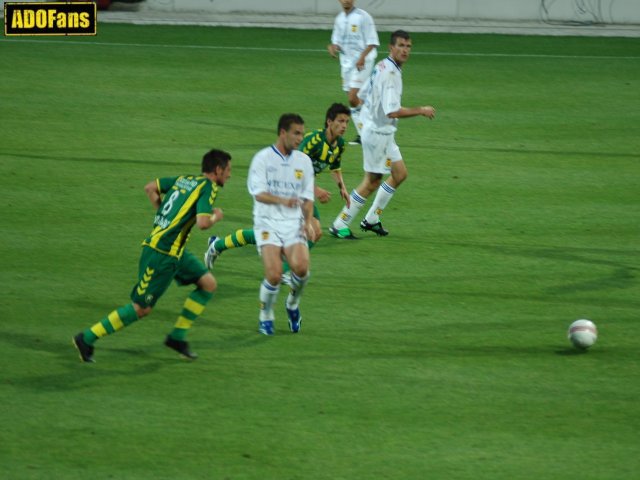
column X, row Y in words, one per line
column 24, row 341
column 500, row 351
column 47, row 376
column 215, row 319
column 622, row 276
column 63, row 347
column 571, row 352
column 234, row 282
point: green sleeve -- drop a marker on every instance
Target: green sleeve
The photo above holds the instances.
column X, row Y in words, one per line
column 207, row 199
column 165, row 183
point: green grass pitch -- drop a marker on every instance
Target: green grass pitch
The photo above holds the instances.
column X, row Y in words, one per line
column 438, row 352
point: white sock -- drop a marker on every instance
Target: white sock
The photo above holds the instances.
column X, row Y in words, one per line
column 297, row 286
column 268, row 296
column 355, row 117
column 345, row 217
column 383, row 197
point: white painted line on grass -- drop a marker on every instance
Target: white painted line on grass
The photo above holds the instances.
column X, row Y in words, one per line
column 312, row 50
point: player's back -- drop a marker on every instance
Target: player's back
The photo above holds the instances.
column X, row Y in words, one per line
column 177, row 212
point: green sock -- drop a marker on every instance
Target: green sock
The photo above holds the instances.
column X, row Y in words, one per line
column 116, row 320
column 192, row 309
column 239, row 238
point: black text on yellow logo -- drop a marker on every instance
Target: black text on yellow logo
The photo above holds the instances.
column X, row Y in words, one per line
column 73, row 18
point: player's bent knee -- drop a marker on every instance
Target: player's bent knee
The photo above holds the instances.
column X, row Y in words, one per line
column 142, row 311
column 208, row 283
column 300, row 265
column 273, row 274
column 373, row 186
column 369, row 185
column 399, row 175
column 274, row 279
column 301, row 270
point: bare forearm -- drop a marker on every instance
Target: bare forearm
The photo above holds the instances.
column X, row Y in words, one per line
column 333, row 49
column 207, row 221
column 337, row 177
column 366, row 51
column 307, row 210
column 271, row 199
column 407, row 112
column 151, row 189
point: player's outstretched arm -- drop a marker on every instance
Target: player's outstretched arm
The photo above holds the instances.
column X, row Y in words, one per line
column 405, row 112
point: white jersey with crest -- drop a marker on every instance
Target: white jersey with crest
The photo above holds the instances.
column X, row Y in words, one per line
column 353, row 33
column 288, row 176
column 382, row 95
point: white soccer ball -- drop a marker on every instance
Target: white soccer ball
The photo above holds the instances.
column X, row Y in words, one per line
column 583, row 333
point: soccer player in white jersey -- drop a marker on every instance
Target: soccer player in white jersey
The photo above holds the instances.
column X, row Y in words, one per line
column 380, row 113
column 355, row 38
column 281, row 183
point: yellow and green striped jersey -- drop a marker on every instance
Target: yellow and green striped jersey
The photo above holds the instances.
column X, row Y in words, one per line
column 185, row 197
column 322, row 154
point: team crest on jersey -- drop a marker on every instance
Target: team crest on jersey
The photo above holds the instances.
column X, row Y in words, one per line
column 354, row 28
column 265, row 235
column 299, row 174
column 148, row 298
column 388, row 163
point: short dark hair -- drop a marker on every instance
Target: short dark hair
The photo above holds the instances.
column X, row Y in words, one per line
column 215, row 158
column 288, row 119
column 399, row 34
column 335, row 110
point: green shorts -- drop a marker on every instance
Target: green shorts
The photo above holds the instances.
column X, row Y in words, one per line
column 156, row 270
column 316, row 212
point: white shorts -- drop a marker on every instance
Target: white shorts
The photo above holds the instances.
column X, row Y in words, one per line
column 379, row 151
column 354, row 78
column 281, row 234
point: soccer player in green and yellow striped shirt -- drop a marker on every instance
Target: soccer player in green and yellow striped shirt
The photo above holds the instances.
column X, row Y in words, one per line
column 180, row 202
column 325, row 148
